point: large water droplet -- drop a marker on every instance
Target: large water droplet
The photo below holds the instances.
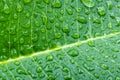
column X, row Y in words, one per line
column 88, row 3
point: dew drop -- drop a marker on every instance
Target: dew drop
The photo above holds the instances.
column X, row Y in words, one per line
column 61, row 19
column 49, row 58
column 76, row 35
column 73, row 53
column 17, row 63
column 104, row 66
column 19, row 8
column 81, row 19
column 91, row 44
column 58, row 35
column 69, row 11
column 27, row 1
column 27, row 25
column 39, row 69
column 37, row 23
column 15, row 16
column 62, row 12
column 57, row 25
column 109, row 25
column 20, row 71
column 66, row 29
column 56, row 4
column 6, row 9
column 22, row 40
column 52, row 20
column 109, row 4
column 101, row 11
column 88, row 3
column 115, row 49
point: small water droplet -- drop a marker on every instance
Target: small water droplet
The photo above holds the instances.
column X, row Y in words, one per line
column 81, row 19
column 73, row 53
column 69, row 11
column 37, row 23
column 115, row 49
column 27, row 25
column 58, row 35
column 91, row 44
column 49, row 58
column 62, row 12
column 65, row 29
column 109, row 4
column 56, row 4
column 46, row 1
column 101, row 11
column 17, row 63
column 20, row 71
column 76, row 35
column 27, row 1
column 15, row 16
column 61, row 19
column 39, row 69
column 22, row 40
column 57, row 25
column 19, row 7
column 88, row 3
column 110, row 25
column 52, row 20
column 104, row 66
column 6, row 9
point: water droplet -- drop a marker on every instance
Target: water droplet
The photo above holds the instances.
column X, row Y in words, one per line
column 88, row 67
column 58, row 35
column 117, row 78
column 6, row 9
column 22, row 40
column 41, row 75
column 49, row 58
column 49, row 27
column 25, row 33
column 76, row 35
column 69, row 11
column 62, row 12
column 88, row 3
column 66, row 29
column 37, row 23
column 46, row 1
column 45, row 20
column 19, row 8
column 110, row 25
column 73, row 53
column 2, row 18
column 91, row 44
column 20, row 71
column 104, row 66
column 96, row 75
column 15, row 16
column 56, row 4
column 115, row 49
column 118, row 21
column 61, row 19
column 27, row 25
column 101, row 11
column 39, row 69
column 109, row 4
column 35, row 37
column 52, row 20
column 81, row 19
column 57, row 25
column 17, row 63
column 27, row 1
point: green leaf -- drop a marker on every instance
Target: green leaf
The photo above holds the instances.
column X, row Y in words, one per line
column 59, row 40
